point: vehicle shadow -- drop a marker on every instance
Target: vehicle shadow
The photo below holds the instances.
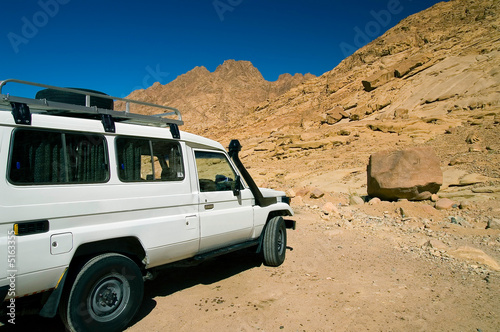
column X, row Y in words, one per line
column 177, row 277
column 168, row 280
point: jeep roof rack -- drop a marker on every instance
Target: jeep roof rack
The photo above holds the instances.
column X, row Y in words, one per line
column 23, row 107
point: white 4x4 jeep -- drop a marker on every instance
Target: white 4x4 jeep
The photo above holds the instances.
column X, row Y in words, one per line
column 92, row 200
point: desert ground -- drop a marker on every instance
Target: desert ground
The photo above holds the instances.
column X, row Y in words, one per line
column 363, row 268
column 377, row 273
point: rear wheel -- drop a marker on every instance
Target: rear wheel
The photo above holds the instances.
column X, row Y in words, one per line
column 105, row 295
column 274, row 242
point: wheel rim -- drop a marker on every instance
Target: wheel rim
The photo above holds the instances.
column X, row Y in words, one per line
column 279, row 242
column 109, row 297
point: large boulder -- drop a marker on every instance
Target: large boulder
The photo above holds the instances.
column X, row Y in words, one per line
column 413, row 174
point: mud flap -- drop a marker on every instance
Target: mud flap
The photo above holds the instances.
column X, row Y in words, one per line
column 49, row 310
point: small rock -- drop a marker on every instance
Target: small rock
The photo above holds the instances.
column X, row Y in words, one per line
column 436, row 253
column 377, row 79
column 356, row 200
column 266, row 146
column 464, row 205
column 464, row 223
column 475, row 255
column 476, row 148
column 344, row 132
column 335, row 115
column 402, row 212
column 298, row 201
column 374, row 200
column 457, row 161
column 493, row 223
column 329, row 208
column 401, row 113
column 434, row 197
column 486, row 190
column 473, row 178
column 445, row 204
column 460, row 221
column 347, row 215
column 302, row 192
column 472, row 138
column 316, row 193
column 290, row 193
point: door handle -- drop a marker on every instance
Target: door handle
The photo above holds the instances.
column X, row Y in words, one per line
column 209, row 206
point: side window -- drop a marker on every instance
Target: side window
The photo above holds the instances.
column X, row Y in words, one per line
column 49, row 157
column 142, row 159
column 214, row 171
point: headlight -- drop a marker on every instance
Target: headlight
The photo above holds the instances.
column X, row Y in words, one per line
column 284, row 199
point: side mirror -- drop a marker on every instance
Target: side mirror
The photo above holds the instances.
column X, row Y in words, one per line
column 237, row 186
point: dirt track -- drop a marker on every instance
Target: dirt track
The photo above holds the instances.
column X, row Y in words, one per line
column 343, row 279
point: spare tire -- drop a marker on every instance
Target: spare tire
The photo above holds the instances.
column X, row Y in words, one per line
column 75, row 98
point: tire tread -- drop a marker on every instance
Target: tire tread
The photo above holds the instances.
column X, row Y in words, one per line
column 270, row 252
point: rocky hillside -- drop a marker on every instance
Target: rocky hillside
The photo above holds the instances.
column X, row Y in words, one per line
column 216, row 99
column 441, row 60
column 432, row 80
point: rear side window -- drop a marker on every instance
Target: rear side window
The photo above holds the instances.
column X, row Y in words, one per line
column 50, row 157
column 143, row 159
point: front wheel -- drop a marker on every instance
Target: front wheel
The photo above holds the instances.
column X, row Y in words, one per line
column 105, row 295
column 274, row 242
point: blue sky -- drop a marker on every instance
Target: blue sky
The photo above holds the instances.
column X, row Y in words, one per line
column 120, row 46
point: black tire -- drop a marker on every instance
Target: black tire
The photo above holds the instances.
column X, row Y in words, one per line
column 75, row 98
column 104, row 296
column 274, row 242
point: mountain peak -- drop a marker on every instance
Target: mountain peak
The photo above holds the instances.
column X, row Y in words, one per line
column 221, row 97
column 241, row 68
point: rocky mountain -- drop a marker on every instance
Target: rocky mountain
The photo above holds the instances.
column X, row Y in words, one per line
column 433, row 80
column 216, row 99
column 443, row 59
column 433, row 74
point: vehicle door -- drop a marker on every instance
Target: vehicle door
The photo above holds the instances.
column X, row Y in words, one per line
column 225, row 218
